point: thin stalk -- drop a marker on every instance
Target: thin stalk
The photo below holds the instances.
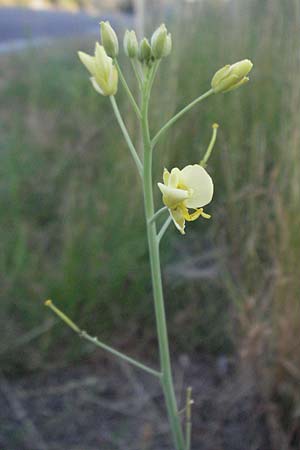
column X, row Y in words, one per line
column 158, row 214
column 178, row 115
column 153, row 73
column 211, row 144
column 166, row 378
column 128, row 91
column 164, row 229
column 188, row 429
column 126, row 136
column 83, row 334
column 136, row 72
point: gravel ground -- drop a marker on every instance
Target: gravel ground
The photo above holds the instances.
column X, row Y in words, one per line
column 110, row 406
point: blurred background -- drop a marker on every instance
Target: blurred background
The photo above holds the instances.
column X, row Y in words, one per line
column 72, row 229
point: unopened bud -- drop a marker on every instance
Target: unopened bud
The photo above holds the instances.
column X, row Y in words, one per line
column 144, row 51
column 231, row 76
column 168, row 45
column 131, row 45
column 109, row 39
column 161, row 42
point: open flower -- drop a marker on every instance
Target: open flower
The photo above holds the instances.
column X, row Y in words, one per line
column 104, row 73
column 189, row 188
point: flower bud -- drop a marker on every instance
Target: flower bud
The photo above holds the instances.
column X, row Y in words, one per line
column 104, row 73
column 145, row 53
column 109, row 39
column 161, row 42
column 168, row 46
column 231, row 76
column 131, row 45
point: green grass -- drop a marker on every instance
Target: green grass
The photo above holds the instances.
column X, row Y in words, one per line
column 71, row 207
column 67, row 230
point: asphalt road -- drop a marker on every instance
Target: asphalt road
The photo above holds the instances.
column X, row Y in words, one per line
column 20, row 26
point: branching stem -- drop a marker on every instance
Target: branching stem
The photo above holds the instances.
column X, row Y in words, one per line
column 126, row 136
column 128, row 91
column 98, row 343
column 137, row 73
column 157, row 214
column 164, row 229
column 178, row 115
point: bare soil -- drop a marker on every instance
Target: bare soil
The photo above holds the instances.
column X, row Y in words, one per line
column 107, row 405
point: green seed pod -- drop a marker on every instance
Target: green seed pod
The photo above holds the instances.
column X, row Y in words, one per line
column 130, row 43
column 109, row 39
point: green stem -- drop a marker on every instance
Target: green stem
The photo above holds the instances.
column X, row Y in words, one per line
column 158, row 214
column 154, row 69
column 178, row 115
column 128, row 91
column 136, row 72
column 98, row 343
column 166, row 379
column 188, row 430
column 211, row 144
column 164, row 228
column 126, row 136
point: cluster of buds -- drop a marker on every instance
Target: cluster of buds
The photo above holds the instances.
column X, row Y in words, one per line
column 147, row 52
column 102, row 66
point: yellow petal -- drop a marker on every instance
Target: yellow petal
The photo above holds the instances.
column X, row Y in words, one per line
column 96, row 86
column 88, row 61
column 103, row 61
column 166, row 176
column 178, row 219
column 172, row 197
column 199, row 184
column 205, row 216
column 174, row 178
column 190, row 217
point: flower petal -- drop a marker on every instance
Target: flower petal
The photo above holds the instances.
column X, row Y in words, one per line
column 190, row 217
column 172, row 197
column 88, row 61
column 166, row 176
column 200, row 184
column 178, row 219
column 96, row 86
column 103, row 61
column 174, row 178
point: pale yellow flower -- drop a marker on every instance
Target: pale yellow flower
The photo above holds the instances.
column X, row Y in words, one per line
column 189, row 188
column 104, row 73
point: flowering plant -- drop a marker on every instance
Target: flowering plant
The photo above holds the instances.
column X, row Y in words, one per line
column 185, row 191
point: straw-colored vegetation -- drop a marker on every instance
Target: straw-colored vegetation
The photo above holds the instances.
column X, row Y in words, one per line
column 68, row 231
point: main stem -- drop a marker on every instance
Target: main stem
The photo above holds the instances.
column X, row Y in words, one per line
column 166, row 378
